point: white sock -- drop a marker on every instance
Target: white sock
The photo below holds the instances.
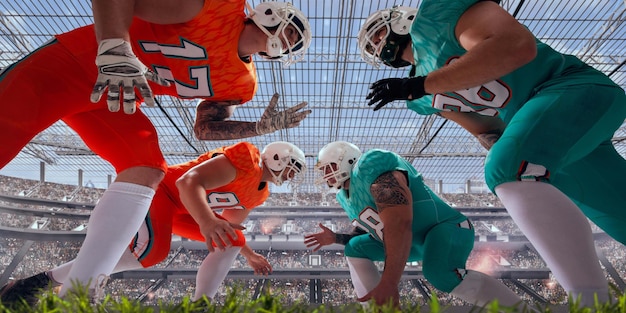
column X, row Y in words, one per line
column 213, row 271
column 561, row 234
column 364, row 274
column 480, row 289
column 59, row 273
column 127, row 262
column 113, row 222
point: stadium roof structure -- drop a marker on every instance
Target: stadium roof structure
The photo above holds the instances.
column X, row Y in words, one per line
column 332, row 79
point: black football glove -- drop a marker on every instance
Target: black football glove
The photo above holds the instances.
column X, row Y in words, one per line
column 391, row 89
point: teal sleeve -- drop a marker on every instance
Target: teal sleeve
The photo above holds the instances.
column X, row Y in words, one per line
column 374, row 163
column 422, row 106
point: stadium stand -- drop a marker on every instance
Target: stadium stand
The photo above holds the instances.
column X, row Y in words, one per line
column 42, row 225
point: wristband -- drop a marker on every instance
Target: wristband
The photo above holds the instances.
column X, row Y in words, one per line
column 343, row 239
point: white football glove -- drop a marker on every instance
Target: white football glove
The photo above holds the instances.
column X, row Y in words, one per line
column 273, row 120
column 119, row 68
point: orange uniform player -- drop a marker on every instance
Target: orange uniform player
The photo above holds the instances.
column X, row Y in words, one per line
column 232, row 179
column 199, row 57
column 201, row 50
column 168, row 215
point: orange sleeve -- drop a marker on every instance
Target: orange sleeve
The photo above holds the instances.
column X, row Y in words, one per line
column 244, row 156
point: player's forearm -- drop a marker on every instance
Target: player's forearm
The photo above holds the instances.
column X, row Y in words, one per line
column 213, row 122
column 225, row 130
column 112, row 18
column 193, row 197
column 246, row 251
column 201, row 213
column 397, row 239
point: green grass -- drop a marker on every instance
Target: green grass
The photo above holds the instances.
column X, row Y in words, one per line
column 79, row 302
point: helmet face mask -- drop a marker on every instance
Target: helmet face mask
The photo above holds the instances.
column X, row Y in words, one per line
column 273, row 18
column 335, row 162
column 331, row 176
column 396, row 24
column 285, row 162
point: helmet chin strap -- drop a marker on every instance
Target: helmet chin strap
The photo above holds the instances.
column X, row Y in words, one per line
column 278, row 181
column 274, row 45
column 391, row 54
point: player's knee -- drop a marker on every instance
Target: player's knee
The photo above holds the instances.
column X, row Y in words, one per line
column 510, row 161
column 142, row 175
column 152, row 258
column 498, row 170
column 365, row 247
column 351, row 251
column 240, row 241
column 494, row 176
column 442, row 279
column 497, row 174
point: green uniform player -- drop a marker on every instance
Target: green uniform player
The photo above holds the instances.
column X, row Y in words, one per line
column 546, row 117
column 399, row 220
column 554, row 91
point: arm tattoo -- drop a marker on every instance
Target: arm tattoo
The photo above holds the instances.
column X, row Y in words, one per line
column 488, row 139
column 214, row 111
column 387, row 192
column 212, row 122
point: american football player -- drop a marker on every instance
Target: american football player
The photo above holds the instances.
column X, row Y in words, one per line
column 547, row 118
column 201, row 200
column 200, row 50
column 398, row 219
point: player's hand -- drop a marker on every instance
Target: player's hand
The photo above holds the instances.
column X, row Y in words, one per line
column 273, row 120
column 119, row 70
column 259, row 264
column 383, row 295
column 218, row 234
column 318, row 240
column 391, row 89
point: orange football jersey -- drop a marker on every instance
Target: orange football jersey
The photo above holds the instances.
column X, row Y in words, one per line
column 200, row 57
column 242, row 193
column 168, row 215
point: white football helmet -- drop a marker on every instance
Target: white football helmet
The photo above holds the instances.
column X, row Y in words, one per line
column 397, row 20
column 277, row 16
column 341, row 153
column 283, row 157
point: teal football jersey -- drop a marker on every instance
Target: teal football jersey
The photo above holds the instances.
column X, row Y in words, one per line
column 428, row 209
column 435, row 45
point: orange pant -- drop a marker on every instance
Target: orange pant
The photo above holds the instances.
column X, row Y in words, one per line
column 153, row 241
column 52, row 85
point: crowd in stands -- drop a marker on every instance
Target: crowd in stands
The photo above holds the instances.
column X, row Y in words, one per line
column 470, row 200
column 43, row 255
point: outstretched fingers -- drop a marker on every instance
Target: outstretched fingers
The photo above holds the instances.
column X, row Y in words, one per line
column 297, row 107
column 273, row 102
